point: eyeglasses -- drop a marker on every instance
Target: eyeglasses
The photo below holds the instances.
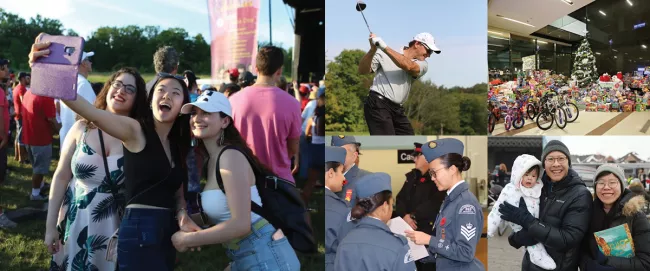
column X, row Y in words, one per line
column 610, row 184
column 433, row 172
column 551, row 160
column 130, row 89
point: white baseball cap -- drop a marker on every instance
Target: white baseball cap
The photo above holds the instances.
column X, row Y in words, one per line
column 210, row 101
column 428, row 40
column 86, row 55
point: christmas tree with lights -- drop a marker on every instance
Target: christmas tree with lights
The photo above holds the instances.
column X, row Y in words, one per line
column 584, row 65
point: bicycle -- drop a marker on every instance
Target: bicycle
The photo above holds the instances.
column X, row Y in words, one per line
column 550, row 112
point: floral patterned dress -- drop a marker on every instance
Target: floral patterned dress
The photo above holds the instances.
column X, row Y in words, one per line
column 91, row 211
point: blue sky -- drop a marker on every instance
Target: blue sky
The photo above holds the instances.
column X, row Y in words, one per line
column 85, row 16
column 615, row 146
column 458, row 26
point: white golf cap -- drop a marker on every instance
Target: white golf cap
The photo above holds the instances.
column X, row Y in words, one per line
column 86, row 55
column 428, row 40
column 210, row 101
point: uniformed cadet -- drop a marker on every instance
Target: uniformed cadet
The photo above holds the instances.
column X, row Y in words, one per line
column 351, row 171
column 370, row 245
column 336, row 209
column 419, row 200
column 459, row 224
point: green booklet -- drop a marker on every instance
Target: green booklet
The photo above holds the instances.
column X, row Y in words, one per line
column 616, row 241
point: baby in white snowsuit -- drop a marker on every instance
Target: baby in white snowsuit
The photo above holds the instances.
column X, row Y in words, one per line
column 524, row 182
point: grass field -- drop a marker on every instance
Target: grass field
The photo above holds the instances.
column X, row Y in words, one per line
column 102, row 77
column 22, row 248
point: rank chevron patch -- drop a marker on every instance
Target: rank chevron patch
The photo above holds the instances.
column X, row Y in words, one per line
column 468, row 231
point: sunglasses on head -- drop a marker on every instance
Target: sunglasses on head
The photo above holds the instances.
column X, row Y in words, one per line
column 164, row 74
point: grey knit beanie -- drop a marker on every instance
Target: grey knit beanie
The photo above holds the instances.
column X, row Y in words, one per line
column 556, row 145
column 614, row 169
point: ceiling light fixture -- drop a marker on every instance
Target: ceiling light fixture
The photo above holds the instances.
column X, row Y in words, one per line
column 542, row 42
column 570, row 3
column 603, row 13
column 598, row 53
column 499, row 45
column 513, row 20
column 615, row 57
column 495, row 32
column 630, row 2
column 643, row 46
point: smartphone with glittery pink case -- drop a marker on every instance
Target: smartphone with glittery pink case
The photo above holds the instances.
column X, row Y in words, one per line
column 55, row 75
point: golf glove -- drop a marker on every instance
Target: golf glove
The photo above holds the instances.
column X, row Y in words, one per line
column 379, row 43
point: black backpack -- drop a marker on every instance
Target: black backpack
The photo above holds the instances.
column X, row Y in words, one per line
column 282, row 206
column 319, row 121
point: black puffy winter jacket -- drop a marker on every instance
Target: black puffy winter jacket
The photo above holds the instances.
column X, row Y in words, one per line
column 565, row 209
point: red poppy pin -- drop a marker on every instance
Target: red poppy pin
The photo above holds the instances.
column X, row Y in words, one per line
column 442, row 221
column 422, row 180
column 345, row 182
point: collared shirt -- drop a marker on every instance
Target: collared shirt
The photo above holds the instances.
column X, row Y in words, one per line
column 390, row 80
column 452, row 188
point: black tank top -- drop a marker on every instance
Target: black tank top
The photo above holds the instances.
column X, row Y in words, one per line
column 147, row 168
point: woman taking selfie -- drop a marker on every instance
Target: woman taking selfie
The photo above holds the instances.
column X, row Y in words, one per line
column 155, row 146
column 251, row 242
column 83, row 202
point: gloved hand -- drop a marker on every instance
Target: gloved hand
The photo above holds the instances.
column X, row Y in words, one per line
column 519, row 216
column 377, row 41
column 593, row 265
column 521, row 238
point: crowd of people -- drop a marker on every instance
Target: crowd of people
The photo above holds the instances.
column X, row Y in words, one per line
column 132, row 155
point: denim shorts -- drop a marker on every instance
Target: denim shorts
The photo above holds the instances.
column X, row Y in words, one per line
column 40, row 157
column 258, row 251
column 144, row 240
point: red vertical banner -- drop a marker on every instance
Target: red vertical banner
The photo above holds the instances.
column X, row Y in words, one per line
column 233, row 34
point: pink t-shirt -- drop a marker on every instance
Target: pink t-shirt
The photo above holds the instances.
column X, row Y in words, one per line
column 4, row 106
column 266, row 117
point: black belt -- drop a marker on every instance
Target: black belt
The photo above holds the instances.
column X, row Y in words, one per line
column 383, row 98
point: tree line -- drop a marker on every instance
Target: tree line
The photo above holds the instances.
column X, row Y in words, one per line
column 432, row 109
column 114, row 47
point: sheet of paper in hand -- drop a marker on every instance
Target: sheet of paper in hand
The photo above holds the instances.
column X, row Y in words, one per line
column 616, row 241
column 399, row 226
column 55, row 75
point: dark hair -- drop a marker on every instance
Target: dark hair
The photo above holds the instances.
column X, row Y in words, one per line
column 535, row 168
column 233, row 137
column 332, row 165
column 454, row 159
column 231, row 89
column 179, row 135
column 139, row 110
column 365, row 206
column 97, row 87
column 165, row 59
column 269, row 60
column 282, row 83
column 191, row 79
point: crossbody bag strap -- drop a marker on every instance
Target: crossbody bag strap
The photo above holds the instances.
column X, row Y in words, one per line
column 255, row 208
column 101, row 143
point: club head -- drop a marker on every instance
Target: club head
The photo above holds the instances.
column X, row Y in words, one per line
column 361, row 6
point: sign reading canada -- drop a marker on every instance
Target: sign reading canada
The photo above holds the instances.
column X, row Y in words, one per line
column 405, row 157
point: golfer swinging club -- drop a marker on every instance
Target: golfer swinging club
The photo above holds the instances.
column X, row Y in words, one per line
column 394, row 74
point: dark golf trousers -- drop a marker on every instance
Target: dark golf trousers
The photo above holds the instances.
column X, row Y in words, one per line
column 385, row 117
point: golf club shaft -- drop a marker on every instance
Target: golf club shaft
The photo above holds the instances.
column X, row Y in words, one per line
column 364, row 19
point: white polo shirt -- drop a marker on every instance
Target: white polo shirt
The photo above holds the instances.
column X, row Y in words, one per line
column 390, row 80
column 84, row 89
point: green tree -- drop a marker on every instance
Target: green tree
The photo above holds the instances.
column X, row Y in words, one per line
column 584, row 65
